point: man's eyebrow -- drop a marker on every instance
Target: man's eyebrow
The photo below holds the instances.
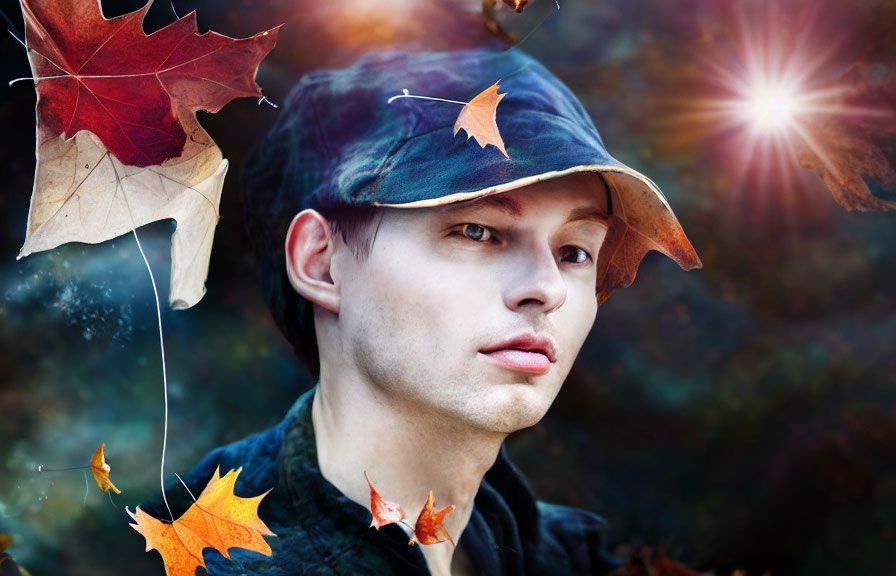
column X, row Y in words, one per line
column 500, row 202
column 588, row 213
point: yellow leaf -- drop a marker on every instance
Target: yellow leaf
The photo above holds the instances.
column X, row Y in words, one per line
column 478, row 118
column 218, row 519
column 101, row 471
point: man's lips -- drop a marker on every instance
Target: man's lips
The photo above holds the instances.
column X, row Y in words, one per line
column 527, row 353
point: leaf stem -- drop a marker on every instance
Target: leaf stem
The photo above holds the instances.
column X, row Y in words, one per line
column 268, row 102
column 407, row 95
column 13, row 34
column 185, row 486
column 111, row 500
column 42, row 468
column 155, row 292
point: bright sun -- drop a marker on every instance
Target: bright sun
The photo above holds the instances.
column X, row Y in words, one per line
column 770, row 107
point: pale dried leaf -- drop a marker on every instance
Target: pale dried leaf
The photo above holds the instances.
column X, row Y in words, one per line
column 84, row 194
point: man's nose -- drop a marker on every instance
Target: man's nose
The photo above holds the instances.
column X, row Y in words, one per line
column 535, row 282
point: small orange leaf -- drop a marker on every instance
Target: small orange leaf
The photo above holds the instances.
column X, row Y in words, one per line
column 383, row 511
column 101, row 471
column 429, row 529
column 477, row 117
column 218, row 519
column 648, row 560
column 518, row 5
column 5, row 542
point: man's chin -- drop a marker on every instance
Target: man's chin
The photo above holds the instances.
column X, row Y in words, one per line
column 517, row 407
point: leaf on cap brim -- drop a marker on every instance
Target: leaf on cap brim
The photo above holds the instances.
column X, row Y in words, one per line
column 101, row 469
column 383, row 511
column 478, row 118
column 639, row 222
column 118, row 143
column 218, row 519
column 854, row 154
column 429, row 529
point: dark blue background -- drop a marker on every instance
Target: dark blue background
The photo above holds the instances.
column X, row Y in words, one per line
column 741, row 416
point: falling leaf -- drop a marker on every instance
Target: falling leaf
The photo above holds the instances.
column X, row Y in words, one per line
column 478, row 118
column 101, row 471
column 853, row 154
column 650, row 562
column 5, row 542
column 218, row 519
column 84, row 194
column 518, row 5
column 383, row 511
column 135, row 92
column 12, row 568
column 639, row 222
column 118, row 142
column 429, row 529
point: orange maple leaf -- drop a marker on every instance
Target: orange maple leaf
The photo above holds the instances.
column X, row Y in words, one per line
column 517, row 5
column 429, row 529
column 5, row 542
column 649, row 561
column 101, row 471
column 383, row 511
column 477, row 117
column 218, row 519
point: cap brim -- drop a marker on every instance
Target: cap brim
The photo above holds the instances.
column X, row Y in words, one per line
column 640, row 220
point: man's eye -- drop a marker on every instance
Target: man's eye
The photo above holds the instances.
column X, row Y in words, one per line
column 477, row 233
column 573, row 254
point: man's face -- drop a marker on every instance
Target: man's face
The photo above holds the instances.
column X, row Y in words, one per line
column 473, row 312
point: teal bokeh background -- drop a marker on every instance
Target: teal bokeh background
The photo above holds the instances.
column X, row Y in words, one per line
column 741, row 416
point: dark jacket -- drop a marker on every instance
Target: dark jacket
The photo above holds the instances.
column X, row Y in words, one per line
column 321, row 531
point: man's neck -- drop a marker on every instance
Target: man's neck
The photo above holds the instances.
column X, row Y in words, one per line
column 405, row 453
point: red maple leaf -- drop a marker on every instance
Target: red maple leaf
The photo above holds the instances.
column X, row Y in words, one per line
column 429, row 529
column 383, row 511
column 127, row 88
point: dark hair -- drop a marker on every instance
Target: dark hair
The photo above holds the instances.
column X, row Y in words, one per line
column 267, row 230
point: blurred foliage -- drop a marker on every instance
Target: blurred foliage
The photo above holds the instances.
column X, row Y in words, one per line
column 738, row 417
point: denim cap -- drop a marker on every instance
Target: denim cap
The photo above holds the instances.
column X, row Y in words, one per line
column 338, row 143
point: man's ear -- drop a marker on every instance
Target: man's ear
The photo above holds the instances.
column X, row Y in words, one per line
column 309, row 251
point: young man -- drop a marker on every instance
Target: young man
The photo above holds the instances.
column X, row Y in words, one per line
column 441, row 291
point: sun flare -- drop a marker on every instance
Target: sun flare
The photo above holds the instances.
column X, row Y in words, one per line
column 770, row 106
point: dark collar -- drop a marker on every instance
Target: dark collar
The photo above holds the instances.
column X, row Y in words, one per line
column 502, row 526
